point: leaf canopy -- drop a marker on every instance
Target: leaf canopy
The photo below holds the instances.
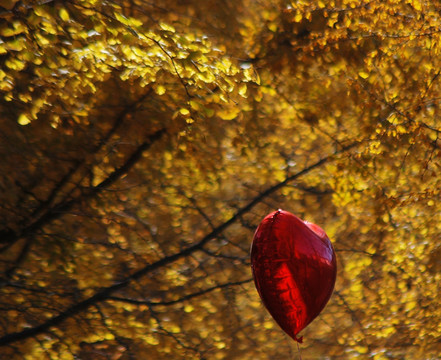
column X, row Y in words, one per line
column 142, row 142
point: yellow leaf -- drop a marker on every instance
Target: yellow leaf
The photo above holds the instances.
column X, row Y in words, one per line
column 228, row 114
column 243, row 90
column 166, row 27
column 121, row 18
column 251, row 75
column 195, row 105
column 332, row 21
column 268, row 324
column 151, row 339
column 417, row 5
column 361, row 349
column 160, row 90
column 109, row 336
column 135, row 22
column 175, row 329
column 401, row 129
column 23, row 120
column 363, row 74
column 18, row 28
column 64, row 15
column 15, row 64
column 188, row 308
column 206, row 76
column 272, row 26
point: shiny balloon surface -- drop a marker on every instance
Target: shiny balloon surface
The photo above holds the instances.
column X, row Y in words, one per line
column 294, row 269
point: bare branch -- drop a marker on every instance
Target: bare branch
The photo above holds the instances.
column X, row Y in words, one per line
column 105, row 293
column 181, row 299
column 58, row 210
column 44, row 210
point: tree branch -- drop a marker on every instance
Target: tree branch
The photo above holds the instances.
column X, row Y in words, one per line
column 58, row 210
column 63, row 207
column 105, row 293
column 181, row 299
column 9, row 237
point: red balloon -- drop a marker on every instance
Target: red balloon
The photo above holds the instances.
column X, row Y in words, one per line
column 294, row 269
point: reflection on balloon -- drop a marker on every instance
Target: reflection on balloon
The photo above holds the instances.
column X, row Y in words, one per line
column 294, row 269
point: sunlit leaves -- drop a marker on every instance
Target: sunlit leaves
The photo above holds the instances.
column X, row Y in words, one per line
column 56, row 47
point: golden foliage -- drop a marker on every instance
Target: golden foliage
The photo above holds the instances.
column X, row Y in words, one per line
column 142, row 143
